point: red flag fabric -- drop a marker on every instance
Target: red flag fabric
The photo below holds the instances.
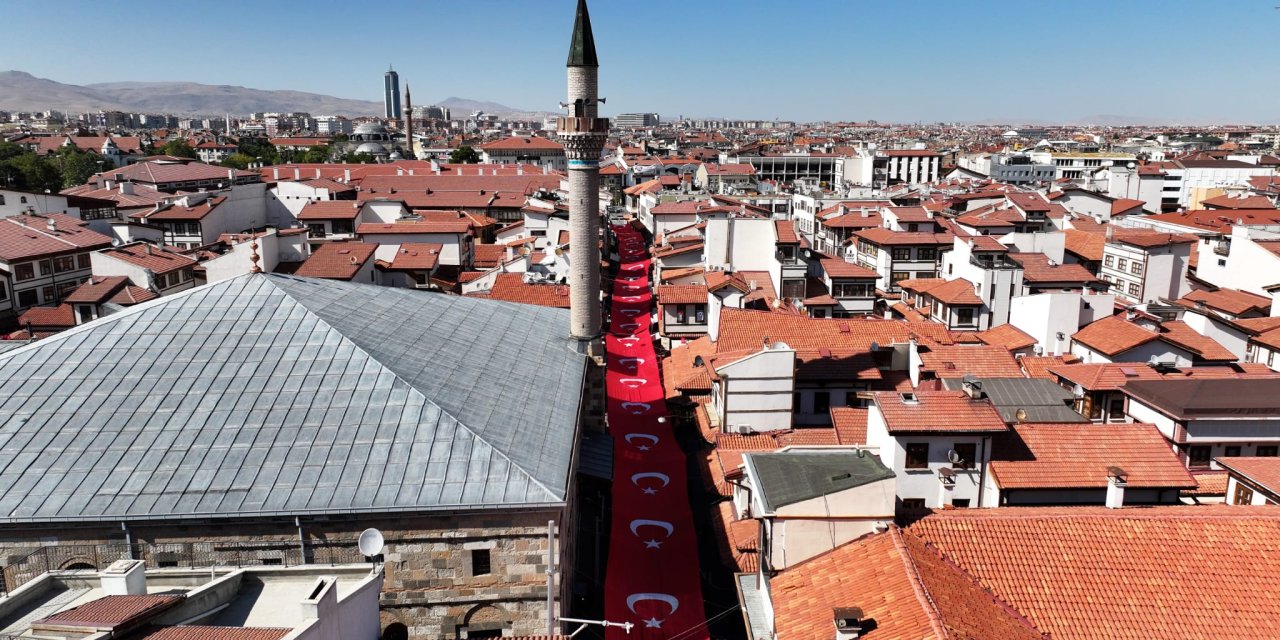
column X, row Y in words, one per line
column 653, row 579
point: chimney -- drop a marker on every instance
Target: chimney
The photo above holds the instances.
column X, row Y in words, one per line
column 972, row 386
column 849, row 623
column 346, row 175
column 1117, row 480
column 126, row 188
column 317, row 172
column 108, row 184
column 275, row 173
column 231, row 177
column 124, row 578
column 297, row 173
column 51, row 224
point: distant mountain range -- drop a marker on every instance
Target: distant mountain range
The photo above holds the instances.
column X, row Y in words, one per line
column 21, row 91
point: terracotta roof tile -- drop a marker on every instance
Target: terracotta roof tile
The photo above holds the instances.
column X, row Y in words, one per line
column 850, row 425
column 838, row 268
column 1232, row 301
column 1078, row 456
column 908, row 589
column 1007, row 336
column 60, row 316
column 511, row 287
column 682, row 294
column 330, row 210
column 97, row 289
column 1155, row 572
column 337, row 260
column 1039, row 366
column 937, row 412
column 177, row 212
column 954, row 361
column 417, row 256
column 28, row 236
column 1211, row 484
column 413, row 226
column 1038, row 269
column 197, row 632
column 111, row 611
column 1261, row 471
column 147, row 256
column 1084, row 244
column 746, row 329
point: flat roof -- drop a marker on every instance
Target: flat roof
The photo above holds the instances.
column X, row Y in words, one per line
column 1209, row 398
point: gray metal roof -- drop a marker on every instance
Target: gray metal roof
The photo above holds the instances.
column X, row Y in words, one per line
column 1043, row 400
column 788, row 477
column 270, row 394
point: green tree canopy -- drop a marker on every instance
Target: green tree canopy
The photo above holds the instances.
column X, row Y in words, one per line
column 238, row 161
column 315, row 155
column 359, row 158
column 178, row 149
column 464, row 155
column 78, row 166
column 259, row 148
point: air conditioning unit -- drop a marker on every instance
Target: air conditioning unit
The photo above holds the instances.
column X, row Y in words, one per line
column 743, row 429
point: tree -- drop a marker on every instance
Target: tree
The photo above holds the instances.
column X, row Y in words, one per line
column 315, row 155
column 9, row 151
column 33, row 173
column 178, row 149
column 464, row 155
column 259, row 148
column 359, row 158
column 78, row 166
column 238, row 161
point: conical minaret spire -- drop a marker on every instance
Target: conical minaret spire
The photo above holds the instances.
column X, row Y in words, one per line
column 583, row 135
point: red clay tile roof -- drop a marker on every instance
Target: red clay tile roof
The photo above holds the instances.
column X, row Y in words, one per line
column 1181, row 334
column 197, row 632
column 1039, row 366
column 1263, row 472
column 1149, row 239
column 850, row 425
column 1078, row 456
column 680, row 272
column 133, row 295
column 337, row 260
column 112, row 611
column 955, row 292
column 417, row 256
column 413, row 226
column 1085, row 244
column 1036, row 269
column 144, row 255
column 1112, row 376
column 746, row 329
column 838, row 268
column 1232, row 301
column 908, row 589
column 1155, row 572
column 510, row 287
column 682, row 294
column 48, row 317
column 178, row 212
column 489, row 255
column 330, row 210
column 97, row 289
column 955, row 361
column 1113, row 335
column 29, row 236
column 678, row 366
column 882, row 236
column 1228, row 202
column 786, row 232
column 1007, row 336
column 937, row 412
column 522, row 143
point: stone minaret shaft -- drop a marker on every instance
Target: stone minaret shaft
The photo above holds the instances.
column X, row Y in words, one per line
column 408, row 125
column 583, row 135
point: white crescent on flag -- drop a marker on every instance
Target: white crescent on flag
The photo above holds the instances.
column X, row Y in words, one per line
column 637, row 408
column 632, row 437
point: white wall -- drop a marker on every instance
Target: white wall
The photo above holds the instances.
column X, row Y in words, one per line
column 756, row 390
column 1044, row 315
column 1248, row 266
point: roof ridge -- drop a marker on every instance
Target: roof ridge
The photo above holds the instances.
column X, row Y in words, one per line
column 917, row 583
column 529, row 475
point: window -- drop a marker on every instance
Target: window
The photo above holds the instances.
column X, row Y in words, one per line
column 821, row 402
column 272, row 562
column 795, row 403
column 24, row 271
column 22, row 200
column 46, row 267
column 1110, row 261
column 83, row 260
column 1135, row 268
column 4, row 292
column 968, row 454
column 344, row 226
column 913, row 503
column 186, row 275
column 901, row 253
column 1115, row 412
column 899, row 276
column 926, row 253
column 63, row 264
column 1121, row 264
column 960, row 503
column 28, row 298
column 1232, row 451
column 50, row 293
column 1268, row 451
column 700, row 313
column 1271, row 358
column 917, row 455
column 480, row 562
column 1133, row 288
column 851, row 290
column 793, row 289
column 1243, row 494
column 964, row 316
column 1198, row 457
column 315, row 230
column 681, row 315
column 913, row 227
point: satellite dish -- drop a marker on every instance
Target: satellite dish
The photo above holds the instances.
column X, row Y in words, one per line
column 1021, row 415
column 953, row 457
column 371, row 542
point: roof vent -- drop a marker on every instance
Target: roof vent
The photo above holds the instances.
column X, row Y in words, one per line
column 849, row 623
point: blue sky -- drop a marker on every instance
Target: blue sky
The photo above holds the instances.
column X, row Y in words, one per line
column 905, row 61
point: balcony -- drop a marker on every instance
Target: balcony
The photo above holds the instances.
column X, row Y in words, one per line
column 1222, row 248
column 999, row 261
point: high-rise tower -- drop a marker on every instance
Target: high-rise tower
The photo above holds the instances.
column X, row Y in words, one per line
column 583, row 135
column 408, row 124
column 391, row 94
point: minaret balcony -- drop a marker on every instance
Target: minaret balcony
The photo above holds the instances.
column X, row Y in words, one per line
column 571, row 125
